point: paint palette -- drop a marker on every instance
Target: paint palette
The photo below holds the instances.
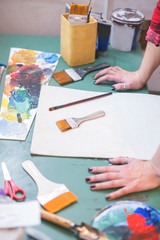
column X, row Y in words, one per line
column 129, row 220
column 27, row 71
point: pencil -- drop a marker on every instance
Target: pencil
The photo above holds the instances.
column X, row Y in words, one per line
column 79, row 101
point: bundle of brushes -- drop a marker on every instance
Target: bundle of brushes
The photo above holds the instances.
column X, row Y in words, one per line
column 79, row 14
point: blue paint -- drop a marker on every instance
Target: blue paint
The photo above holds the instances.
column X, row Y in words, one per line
column 152, row 218
column 13, row 129
column 49, row 57
column 19, row 118
column 20, row 100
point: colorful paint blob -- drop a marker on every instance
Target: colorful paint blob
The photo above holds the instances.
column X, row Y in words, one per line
column 129, row 220
column 27, row 71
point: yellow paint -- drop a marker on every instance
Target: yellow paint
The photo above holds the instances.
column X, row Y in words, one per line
column 4, row 103
column 11, row 115
column 7, row 89
column 27, row 57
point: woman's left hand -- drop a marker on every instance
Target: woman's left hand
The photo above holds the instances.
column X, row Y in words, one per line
column 135, row 176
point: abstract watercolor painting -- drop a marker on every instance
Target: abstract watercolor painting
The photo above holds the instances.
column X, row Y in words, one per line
column 27, row 71
column 129, row 220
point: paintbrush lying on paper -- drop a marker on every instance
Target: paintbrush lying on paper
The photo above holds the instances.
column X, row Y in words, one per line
column 79, row 101
column 83, row 231
column 70, row 123
column 75, row 74
column 52, row 196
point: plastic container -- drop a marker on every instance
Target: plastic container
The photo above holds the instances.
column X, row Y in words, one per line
column 104, row 28
column 125, row 28
column 78, row 42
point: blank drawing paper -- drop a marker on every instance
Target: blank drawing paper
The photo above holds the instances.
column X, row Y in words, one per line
column 130, row 127
column 27, row 71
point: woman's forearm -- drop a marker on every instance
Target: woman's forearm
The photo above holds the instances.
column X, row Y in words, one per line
column 150, row 62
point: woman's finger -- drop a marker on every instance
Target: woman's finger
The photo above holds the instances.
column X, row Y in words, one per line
column 122, row 86
column 108, row 71
column 108, row 184
column 104, row 169
column 127, row 85
column 121, row 192
column 102, row 72
column 109, row 77
column 103, row 177
column 120, row 160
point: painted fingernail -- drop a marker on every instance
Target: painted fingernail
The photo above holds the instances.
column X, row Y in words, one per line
column 113, row 88
column 90, row 169
column 87, row 179
column 108, row 197
column 93, row 186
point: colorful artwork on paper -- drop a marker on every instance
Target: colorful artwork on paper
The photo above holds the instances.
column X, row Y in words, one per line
column 129, row 220
column 27, row 71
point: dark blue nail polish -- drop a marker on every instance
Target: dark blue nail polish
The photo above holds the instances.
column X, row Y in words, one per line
column 93, row 186
column 87, row 179
column 90, row 169
column 108, row 197
column 113, row 88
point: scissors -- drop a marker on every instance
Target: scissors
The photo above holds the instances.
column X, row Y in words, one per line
column 10, row 187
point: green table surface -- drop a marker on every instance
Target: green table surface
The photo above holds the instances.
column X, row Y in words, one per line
column 70, row 171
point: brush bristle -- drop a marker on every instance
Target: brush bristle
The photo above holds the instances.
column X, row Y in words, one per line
column 63, row 125
column 78, row 9
column 62, row 78
column 60, row 202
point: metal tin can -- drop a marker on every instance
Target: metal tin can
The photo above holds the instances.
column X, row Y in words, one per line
column 125, row 29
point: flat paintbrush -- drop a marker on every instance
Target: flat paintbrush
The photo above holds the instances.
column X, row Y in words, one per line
column 52, row 196
column 79, row 101
column 75, row 74
column 70, row 123
column 83, row 231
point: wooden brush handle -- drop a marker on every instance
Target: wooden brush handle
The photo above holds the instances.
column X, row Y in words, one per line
column 90, row 117
column 31, row 169
column 97, row 67
column 57, row 219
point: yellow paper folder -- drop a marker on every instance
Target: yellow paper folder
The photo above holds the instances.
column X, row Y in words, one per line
column 78, row 42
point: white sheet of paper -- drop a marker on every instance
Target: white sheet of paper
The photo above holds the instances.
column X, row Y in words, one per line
column 13, row 215
column 130, row 127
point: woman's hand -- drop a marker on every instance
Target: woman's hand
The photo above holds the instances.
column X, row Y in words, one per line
column 136, row 176
column 123, row 78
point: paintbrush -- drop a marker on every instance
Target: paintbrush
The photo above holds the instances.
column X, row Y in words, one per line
column 52, row 196
column 70, row 123
column 83, row 231
column 79, row 101
column 75, row 74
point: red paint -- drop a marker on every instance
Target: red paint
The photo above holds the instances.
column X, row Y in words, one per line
column 137, row 225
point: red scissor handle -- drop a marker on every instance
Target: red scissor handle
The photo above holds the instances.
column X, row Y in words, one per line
column 12, row 189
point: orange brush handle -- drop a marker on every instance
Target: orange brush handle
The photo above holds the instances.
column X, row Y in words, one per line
column 58, row 220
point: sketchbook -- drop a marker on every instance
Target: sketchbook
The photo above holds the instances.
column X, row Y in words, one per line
column 130, row 127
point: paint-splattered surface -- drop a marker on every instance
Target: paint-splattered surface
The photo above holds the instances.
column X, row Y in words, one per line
column 27, row 71
column 129, row 220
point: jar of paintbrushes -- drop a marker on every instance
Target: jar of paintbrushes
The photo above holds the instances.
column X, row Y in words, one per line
column 78, row 35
